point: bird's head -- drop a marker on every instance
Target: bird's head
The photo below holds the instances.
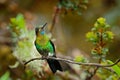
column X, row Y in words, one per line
column 40, row 30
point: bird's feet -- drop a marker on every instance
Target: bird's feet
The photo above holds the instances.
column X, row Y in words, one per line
column 44, row 57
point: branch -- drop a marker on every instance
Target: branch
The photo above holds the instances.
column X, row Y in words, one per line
column 73, row 62
column 54, row 18
column 95, row 70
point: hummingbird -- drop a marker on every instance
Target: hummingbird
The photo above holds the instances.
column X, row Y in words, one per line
column 46, row 48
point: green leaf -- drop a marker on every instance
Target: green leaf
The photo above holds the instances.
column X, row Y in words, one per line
column 5, row 76
column 116, row 68
column 80, row 59
column 101, row 20
column 91, row 36
column 105, row 50
column 17, row 26
column 20, row 20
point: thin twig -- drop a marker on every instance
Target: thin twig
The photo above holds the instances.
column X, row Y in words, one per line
column 73, row 62
column 109, row 69
column 99, row 48
column 54, row 18
column 94, row 72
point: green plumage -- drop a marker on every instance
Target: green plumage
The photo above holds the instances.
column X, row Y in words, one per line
column 46, row 48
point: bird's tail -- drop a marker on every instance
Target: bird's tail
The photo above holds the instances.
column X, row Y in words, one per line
column 54, row 65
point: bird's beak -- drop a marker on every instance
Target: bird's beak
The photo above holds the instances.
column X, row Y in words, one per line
column 37, row 29
column 44, row 26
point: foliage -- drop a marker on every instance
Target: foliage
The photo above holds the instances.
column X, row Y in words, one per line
column 18, row 26
column 23, row 40
column 5, row 76
column 100, row 35
column 116, row 68
column 80, row 59
column 72, row 5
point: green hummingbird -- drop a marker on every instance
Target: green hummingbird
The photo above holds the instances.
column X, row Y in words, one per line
column 46, row 48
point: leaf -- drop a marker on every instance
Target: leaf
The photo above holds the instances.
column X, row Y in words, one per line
column 20, row 20
column 5, row 76
column 116, row 68
column 91, row 36
column 80, row 59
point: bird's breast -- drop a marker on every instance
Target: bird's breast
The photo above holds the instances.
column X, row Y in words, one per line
column 43, row 51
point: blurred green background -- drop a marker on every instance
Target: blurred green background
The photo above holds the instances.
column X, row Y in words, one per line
column 69, row 30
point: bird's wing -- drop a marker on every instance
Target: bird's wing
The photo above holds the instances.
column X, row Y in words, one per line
column 52, row 45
